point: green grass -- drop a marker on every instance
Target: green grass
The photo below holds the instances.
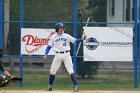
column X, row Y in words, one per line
column 38, row 80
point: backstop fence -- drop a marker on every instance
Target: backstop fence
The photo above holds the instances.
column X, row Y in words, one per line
column 17, row 14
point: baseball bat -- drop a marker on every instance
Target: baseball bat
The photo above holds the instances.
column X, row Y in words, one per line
column 81, row 20
column 81, row 17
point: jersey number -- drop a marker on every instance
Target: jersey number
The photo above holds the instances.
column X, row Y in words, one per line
column 64, row 44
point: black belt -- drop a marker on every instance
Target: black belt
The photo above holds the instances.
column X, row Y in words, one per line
column 62, row 52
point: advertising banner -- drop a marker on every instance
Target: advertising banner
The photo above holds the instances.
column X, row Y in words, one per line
column 108, row 44
column 34, row 41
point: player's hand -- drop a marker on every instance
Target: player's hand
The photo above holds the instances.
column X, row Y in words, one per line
column 44, row 57
column 84, row 37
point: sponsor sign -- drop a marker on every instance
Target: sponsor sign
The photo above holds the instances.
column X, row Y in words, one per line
column 108, row 44
column 34, row 41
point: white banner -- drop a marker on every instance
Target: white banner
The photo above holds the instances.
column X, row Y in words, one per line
column 34, row 41
column 108, row 44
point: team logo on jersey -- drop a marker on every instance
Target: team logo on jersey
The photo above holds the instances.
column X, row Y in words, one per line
column 91, row 43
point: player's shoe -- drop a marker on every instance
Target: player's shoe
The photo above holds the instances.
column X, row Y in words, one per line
column 76, row 89
column 49, row 88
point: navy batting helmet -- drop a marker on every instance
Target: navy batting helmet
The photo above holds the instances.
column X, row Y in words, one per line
column 59, row 25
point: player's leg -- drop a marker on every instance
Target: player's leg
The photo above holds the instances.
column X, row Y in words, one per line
column 69, row 66
column 54, row 67
column 4, row 81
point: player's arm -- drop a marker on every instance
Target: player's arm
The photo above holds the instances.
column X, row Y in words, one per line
column 46, row 52
column 47, row 49
column 50, row 44
column 1, row 66
column 76, row 40
column 5, row 72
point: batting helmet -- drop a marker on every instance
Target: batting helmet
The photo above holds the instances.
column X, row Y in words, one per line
column 58, row 25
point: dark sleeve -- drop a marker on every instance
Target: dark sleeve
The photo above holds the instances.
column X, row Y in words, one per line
column 0, row 53
column 1, row 66
column 78, row 40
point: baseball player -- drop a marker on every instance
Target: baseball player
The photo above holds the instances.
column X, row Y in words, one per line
column 61, row 44
column 5, row 77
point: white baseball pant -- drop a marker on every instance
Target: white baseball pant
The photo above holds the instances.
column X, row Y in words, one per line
column 58, row 59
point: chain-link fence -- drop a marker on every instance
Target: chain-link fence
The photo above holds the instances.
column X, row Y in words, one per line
column 44, row 14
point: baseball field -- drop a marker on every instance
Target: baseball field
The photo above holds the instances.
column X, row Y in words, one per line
column 65, row 91
column 107, row 61
column 37, row 82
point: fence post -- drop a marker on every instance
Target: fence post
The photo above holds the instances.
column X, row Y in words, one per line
column 1, row 22
column 135, row 43
column 6, row 25
column 21, row 26
column 75, row 32
column 139, row 33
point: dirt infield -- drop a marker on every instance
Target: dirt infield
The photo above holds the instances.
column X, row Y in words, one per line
column 65, row 91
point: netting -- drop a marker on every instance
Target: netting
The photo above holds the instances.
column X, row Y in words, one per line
column 44, row 14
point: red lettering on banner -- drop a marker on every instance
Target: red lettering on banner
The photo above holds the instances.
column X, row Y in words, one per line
column 35, row 41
